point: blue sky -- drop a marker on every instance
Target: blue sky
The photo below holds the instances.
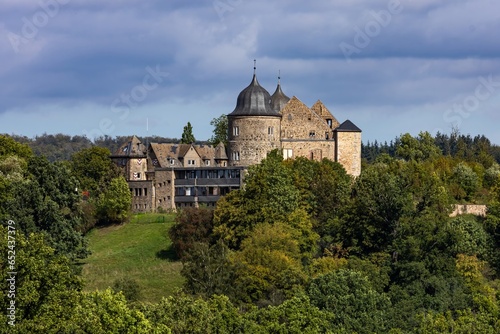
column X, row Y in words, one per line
column 93, row 67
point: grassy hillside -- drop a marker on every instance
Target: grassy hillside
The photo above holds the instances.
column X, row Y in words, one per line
column 139, row 250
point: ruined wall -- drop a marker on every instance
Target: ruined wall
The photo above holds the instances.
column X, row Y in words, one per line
column 348, row 151
column 254, row 138
column 464, row 209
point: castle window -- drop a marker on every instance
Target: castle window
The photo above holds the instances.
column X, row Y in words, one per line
column 329, row 122
column 312, row 134
column 191, row 162
column 236, row 156
column 270, row 130
column 145, row 191
column 207, row 162
column 236, row 131
column 287, row 153
column 171, row 161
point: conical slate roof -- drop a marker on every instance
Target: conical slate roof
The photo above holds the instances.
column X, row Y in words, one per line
column 279, row 99
column 348, row 126
column 254, row 100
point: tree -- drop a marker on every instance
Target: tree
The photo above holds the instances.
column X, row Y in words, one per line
column 186, row 314
column 269, row 263
column 380, row 199
column 296, row 315
column 418, row 149
column 192, row 225
column 466, row 181
column 187, row 134
column 269, row 196
column 9, row 146
column 220, row 131
column 94, row 169
column 45, row 285
column 114, row 204
column 46, row 201
column 355, row 305
column 103, row 312
column 208, row 270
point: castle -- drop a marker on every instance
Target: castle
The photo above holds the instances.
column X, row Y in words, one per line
column 171, row 176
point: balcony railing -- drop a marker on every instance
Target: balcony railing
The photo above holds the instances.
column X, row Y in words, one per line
column 207, row 182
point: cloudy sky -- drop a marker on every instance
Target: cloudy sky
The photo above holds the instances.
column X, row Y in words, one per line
column 122, row 67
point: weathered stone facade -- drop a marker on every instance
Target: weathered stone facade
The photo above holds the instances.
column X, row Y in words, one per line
column 251, row 138
column 170, row 176
column 261, row 123
column 348, row 149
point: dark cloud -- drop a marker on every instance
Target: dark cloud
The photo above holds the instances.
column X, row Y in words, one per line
column 417, row 61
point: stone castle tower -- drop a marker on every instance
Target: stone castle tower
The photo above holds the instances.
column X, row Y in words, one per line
column 254, row 126
column 261, row 122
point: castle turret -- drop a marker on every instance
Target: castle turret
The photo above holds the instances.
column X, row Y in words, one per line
column 348, row 147
column 279, row 99
column 254, row 126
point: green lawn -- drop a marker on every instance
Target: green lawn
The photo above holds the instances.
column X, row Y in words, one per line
column 139, row 250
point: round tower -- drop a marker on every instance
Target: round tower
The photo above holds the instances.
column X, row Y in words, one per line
column 254, row 126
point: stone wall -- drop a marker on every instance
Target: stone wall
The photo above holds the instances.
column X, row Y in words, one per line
column 164, row 189
column 254, row 138
column 310, row 149
column 143, row 195
column 464, row 209
column 300, row 122
column 348, row 151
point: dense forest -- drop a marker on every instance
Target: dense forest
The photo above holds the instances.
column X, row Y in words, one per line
column 302, row 248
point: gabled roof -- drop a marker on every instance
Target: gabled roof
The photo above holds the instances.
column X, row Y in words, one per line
column 348, row 126
column 132, row 147
column 320, row 109
column 206, row 152
column 183, row 149
column 164, row 152
column 295, row 104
